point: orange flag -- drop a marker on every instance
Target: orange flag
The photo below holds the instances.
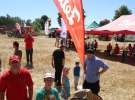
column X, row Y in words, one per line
column 72, row 13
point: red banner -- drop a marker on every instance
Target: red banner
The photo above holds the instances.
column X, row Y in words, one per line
column 72, row 13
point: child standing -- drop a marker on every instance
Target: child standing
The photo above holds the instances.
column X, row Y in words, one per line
column 17, row 52
column 65, row 93
column 76, row 74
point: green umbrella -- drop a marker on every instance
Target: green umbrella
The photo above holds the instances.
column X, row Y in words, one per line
column 93, row 25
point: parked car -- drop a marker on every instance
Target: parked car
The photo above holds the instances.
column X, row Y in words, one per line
column 53, row 32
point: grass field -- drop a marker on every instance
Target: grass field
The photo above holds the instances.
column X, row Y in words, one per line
column 118, row 83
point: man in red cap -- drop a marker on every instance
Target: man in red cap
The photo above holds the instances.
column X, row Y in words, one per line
column 16, row 82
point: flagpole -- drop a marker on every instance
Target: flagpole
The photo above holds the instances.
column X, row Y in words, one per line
column 83, row 32
column 84, row 42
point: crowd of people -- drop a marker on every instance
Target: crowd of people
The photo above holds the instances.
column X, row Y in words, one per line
column 121, row 51
column 130, row 50
column 91, row 45
column 16, row 83
column 67, row 42
column 110, row 51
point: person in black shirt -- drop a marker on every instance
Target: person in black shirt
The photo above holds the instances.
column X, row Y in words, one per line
column 58, row 61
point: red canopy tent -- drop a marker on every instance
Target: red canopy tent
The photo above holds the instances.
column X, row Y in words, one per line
column 123, row 25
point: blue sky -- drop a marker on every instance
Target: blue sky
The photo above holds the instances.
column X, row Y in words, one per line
column 31, row 9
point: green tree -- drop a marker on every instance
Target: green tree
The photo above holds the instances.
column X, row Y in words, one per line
column 28, row 22
column 18, row 20
column 104, row 22
column 10, row 21
column 59, row 19
column 44, row 19
column 123, row 10
column 84, row 14
column 37, row 25
column 49, row 22
column 2, row 20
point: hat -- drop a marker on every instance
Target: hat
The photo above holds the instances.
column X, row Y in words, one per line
column 14, row 58
column 48, row 75
column 90, row 51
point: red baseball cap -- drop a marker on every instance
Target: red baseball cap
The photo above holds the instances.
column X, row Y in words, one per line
column 14, row 58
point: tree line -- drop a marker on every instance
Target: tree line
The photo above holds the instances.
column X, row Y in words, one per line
column 38, row 24
column 122, row 10
column 9, row 22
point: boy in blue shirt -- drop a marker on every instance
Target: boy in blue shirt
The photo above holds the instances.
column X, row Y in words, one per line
column 76, row 74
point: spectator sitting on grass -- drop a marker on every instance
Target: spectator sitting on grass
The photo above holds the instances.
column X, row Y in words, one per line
column 116, row 49
column 109, row 49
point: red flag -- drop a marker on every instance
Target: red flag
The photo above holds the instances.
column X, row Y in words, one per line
column 72, row 13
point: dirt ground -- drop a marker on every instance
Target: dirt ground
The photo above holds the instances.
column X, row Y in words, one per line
column 118, row 83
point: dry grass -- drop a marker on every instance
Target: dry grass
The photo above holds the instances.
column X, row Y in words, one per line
column 116, row 84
